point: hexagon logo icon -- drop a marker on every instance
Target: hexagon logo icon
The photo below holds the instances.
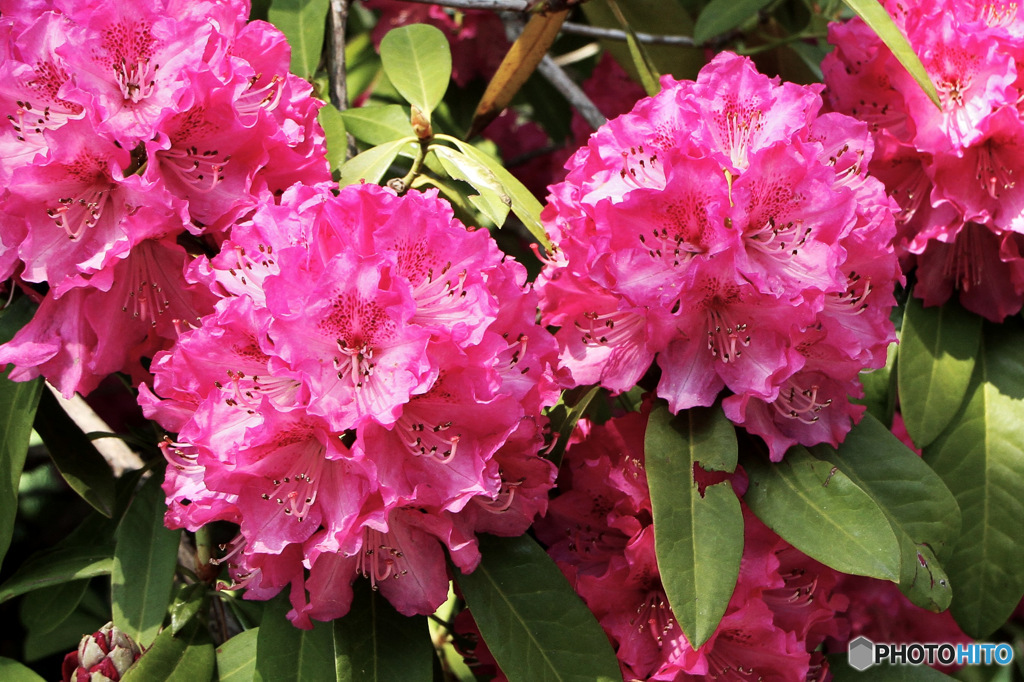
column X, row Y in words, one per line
column 861, row 654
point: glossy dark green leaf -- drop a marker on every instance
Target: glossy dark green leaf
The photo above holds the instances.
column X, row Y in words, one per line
column 303, row 23
column 535, row 625
column 145, row 557
column 980, row 456
column 64, row 637
column 12, row 671
column 187, row 656
column 59, row 565
column 74, row 455
column 284, row 653
column 936, row 360
column 524, row 204
column 336, row 139
column 236, row 658
column 698, row 534
column 377, row 125
column 875, row 16
column 880, row 388
column 842, row 672
column 721, row 16
column 815, row 507
column 44, row 609
column 18, row 401
column 187, row 602
column 375, row 643
column 371, row 165
column 491, row 200
column 921, row 510
column 418, row 62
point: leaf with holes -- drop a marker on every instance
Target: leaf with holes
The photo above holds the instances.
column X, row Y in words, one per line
column 698, row 534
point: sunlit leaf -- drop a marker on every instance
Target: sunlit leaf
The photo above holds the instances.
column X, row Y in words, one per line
column 74, row 455
column 418, row 63
column 638, row 53
column 189, row 599
column 375, row 643
column 936, row 359
column 815, row 507
column 236, row 658
column 524, row 204
column 520, row 61
column 698, row 534
column 875, row 16
column 920, row 508
column 145, row 558
column 980, row 456
column 377, row 125
column 285, row 653
column 371, row 165
column 187, row 656
column 492, row 200
column 336, row 139
column 303, row 23
column 721, row 16
column 533, row 622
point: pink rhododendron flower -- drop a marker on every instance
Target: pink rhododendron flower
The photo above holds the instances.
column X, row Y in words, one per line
column 599, row 531
column 727, row 232
column 367, row 390
column 951, row 169
column 128, row 126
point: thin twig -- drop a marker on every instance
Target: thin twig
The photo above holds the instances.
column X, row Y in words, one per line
column 336, row 69
column 496, row 5
column 618, row 34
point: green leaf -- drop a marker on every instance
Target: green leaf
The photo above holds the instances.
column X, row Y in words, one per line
column 920, row 508
column 418, row 62
column 303, row 23
column 371, row 165
column 875, row 16
column 980, row 456
column 377, row 125
column 722, row 16
column 58, row 565
column 564, row 417
column 187, row 656
column 880, row 388
column 641, row 60
column 285, row 653
column 492, row 200
column 936, row 360
column 18, row 401
column 336, row 139
column 375, row 643
column 188, row 601
column 816, row 508
column 698, row 535
column 12, row 671
column 145, row 557
column 524, row 204
column 74, row 455
column 236, row 658
column 44, row 609
column 533, row 622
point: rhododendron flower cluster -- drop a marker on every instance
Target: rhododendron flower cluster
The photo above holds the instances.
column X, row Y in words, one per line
column 368, row 388
column 728, row 232
column 129, row 125
column 954, row 169
column 599, row 531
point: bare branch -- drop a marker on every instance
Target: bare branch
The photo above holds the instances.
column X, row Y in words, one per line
column 572, row 92
column 336, row 66
column 618, row 34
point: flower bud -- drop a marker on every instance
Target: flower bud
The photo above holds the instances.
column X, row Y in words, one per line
column 103, row 656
